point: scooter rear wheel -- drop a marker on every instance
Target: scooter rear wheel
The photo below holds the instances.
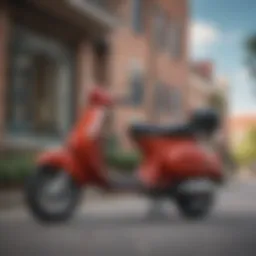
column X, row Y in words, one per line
column 196, row 206
column 51, row 195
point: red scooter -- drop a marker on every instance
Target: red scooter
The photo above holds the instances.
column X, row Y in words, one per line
column 176, row 163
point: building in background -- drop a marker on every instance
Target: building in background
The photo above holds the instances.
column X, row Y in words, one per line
column 202, row 84
column 207, row 90
column 52, row 52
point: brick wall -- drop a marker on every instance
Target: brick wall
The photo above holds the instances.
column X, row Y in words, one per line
column 129, row 47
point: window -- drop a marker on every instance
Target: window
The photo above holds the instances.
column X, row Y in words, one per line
column 159, row 28
column 40, row 86
column 175, row 40
column 137, row 88
column 137, row 19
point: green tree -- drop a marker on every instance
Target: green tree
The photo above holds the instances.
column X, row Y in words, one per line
column 245, row 153
column 251, row 55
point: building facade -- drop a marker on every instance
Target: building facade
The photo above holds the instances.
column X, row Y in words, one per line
column 53, row 52
column 202, row 84
column 207, row 90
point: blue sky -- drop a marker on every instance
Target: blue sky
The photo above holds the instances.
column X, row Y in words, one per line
column 218, row 31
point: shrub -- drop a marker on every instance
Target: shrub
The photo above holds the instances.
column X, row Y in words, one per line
column 15, row 169
column 116, row 158
column 245, row 153
column 123, row 161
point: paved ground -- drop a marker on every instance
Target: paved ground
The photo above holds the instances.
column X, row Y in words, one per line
column 122, row 227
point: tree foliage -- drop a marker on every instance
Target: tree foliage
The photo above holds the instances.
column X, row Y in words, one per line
column 218, row 102
column 251, row 55
column 245, row 153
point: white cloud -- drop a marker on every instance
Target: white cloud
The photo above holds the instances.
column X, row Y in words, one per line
column 202, row 36
column 242, row 93
column 242, row 75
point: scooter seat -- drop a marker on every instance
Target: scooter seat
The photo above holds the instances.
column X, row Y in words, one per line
column 154, row 130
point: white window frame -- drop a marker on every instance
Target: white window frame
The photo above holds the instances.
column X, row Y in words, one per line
column 64, row 86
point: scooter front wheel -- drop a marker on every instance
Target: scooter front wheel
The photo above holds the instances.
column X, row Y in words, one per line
column 52, row 195
column 195, row 198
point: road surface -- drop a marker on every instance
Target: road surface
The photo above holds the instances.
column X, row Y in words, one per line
column 122, row 227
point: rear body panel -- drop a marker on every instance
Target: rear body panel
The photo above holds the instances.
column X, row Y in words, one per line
column 170, row 160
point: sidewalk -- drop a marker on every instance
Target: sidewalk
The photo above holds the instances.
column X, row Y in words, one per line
column 12, row 199
column 245, row 175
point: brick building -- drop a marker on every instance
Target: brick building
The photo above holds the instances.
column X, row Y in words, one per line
column 202, row 84
column 52, row 52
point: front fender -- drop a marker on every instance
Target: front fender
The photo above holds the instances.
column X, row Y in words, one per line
column 62, row 158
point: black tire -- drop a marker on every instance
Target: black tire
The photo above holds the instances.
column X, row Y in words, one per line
column 186, row 205
column 33, row 189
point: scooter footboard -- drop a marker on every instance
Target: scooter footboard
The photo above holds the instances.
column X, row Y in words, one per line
column 124, row 182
